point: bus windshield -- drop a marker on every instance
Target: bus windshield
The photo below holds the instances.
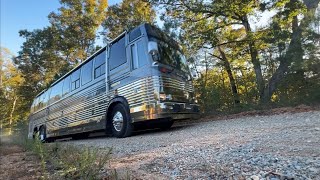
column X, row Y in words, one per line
column 170, row 53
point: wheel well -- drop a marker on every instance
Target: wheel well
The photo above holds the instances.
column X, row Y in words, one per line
column 42, row 126
column 113, row 103
column 35, row 129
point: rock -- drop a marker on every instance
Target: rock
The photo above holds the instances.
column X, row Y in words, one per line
column 254, row 177
column 313, row 170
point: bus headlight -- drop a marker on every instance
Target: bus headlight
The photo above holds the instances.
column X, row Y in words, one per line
column 163, row 96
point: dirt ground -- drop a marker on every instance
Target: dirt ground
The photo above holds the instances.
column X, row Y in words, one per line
column 16, row 163
column 280, row 144
column 283, row 143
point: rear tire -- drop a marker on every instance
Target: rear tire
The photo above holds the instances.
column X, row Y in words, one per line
column 42, row 134
column 121, row 121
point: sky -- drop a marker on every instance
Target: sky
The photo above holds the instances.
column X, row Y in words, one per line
column 17, row 15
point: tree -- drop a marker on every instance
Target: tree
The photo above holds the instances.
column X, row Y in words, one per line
column 76, row 25
column 39, row 59
column 203, row 21
column 294, row 50
column 126, row 15
column 11, row 80
column 50, row 52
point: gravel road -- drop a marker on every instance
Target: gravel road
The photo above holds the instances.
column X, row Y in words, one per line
column 285, row 146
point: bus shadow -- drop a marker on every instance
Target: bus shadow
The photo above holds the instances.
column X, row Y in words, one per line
column 137, row 133
column 152, row 131
column 140, row 132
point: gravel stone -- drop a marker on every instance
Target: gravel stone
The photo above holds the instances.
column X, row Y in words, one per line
column 285, row 146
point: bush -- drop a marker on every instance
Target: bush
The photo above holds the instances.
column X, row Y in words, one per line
column 64, row 161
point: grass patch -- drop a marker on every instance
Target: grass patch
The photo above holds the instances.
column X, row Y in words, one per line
column 65, row 161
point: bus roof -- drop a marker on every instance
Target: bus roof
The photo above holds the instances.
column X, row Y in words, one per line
column 89, row 58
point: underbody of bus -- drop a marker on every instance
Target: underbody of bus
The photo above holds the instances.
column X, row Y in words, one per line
column 141, row 76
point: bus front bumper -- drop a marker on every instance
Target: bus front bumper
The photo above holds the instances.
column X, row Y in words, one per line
column 167, row 110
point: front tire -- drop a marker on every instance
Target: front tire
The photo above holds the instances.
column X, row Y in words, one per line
column 121, row 121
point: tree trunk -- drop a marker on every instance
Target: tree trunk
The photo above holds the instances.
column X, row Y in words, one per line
column 12, row 110
column 254, row 58
column 294, row 52
column 227, row 66
column 1, row 64
column 207, row 68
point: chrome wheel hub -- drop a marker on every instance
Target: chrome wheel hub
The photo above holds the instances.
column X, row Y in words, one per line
column 117, row 121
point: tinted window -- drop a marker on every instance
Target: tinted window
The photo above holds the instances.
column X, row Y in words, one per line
column 36, row 107
column 66, row 86
column 86, row 72
column 134, row 34
column 46, row 98
column 41, row 100
column 56, row 92
column 139, row 55
column 142, row 54
column 117, row 54
column 100, row 64
column 33, row 106
column 154, row 32
column 75, row 80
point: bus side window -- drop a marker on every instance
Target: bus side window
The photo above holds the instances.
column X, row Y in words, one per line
column 134, row 34
column 138, row 54
column 56, row 92
column 75, row 80
column 100, row 64
column 32, row 106
column 117, row 54
column 46, row 98
column 66, row 86
column 86, row 73
column 37, row 104
column 43, row 96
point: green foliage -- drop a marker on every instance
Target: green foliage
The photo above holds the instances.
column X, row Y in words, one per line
column 126, row 15
column 11, row 101
column 76, row 25
column 68, row 162
column 270, row 63
column 83, row 163
column 50, row 52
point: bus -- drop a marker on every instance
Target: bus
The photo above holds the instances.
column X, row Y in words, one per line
column 140, row 76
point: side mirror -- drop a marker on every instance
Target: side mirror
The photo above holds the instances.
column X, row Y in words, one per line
column 153, row 50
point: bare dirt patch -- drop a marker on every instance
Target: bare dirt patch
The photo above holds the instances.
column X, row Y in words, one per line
column 16, row 163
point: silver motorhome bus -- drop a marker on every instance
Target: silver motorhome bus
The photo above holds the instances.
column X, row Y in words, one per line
column 139, row 76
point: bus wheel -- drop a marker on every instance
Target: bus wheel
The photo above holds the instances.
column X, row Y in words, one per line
column 121, row 124
column 42, row 134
